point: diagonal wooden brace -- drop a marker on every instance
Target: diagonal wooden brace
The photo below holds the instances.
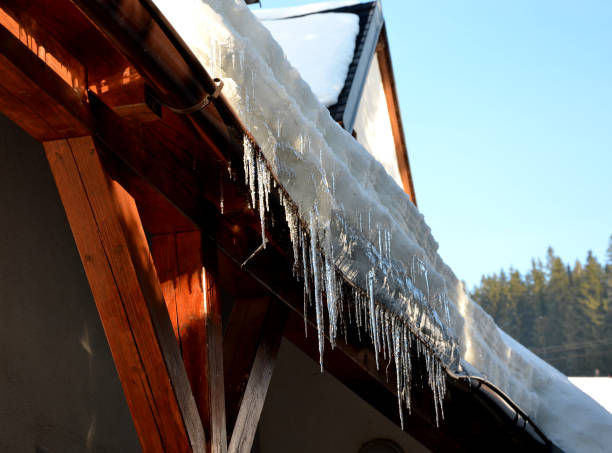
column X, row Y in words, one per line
column 115, row 254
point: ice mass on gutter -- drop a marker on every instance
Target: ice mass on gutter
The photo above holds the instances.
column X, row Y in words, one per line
column 352, row 226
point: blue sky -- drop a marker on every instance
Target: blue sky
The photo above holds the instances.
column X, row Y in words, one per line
column 507, row 111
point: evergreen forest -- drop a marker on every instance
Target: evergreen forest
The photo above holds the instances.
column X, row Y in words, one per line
column 561, row 312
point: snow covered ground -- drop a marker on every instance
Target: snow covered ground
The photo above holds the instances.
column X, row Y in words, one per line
column 370, row 232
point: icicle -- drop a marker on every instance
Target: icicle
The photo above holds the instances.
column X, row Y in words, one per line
column 383, row 331
column 261, row 190
column 398, row 366
column 407, row 368
column 250, row 170
column 316, row 273
column 373, row 325
column 305, row 277
column 389, row 335
column 294, row 234
column 330, row 291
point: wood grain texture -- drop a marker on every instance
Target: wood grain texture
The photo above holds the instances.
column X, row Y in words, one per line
column 240, row 342
column 115, row 255
column 388, row 79
column 192, row 299
column 34, row 96
column 214, row 341
column 259, row 380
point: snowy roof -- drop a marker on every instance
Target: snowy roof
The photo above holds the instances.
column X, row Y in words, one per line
column 349, row 220
column 294, row 11
column 320, row 47
column 331, row 44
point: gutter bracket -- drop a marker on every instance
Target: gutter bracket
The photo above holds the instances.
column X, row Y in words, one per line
column 200, row 105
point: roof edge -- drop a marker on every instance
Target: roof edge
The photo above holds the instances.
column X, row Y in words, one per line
column 383, row 54
column 374, row 26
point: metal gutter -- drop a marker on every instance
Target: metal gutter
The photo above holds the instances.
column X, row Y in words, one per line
column 157, row 52
column 515, row 415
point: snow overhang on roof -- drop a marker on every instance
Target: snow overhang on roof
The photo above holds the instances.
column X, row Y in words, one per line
column 332, row 45
column 350, row 224
column 330, row 178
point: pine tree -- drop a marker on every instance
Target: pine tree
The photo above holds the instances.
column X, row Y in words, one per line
column 506, row 309
column 536, row 286
column 556, row 303
column 562, row 313
column 606, row 331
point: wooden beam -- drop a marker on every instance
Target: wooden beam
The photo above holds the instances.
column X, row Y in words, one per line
column 252, row 403
column 388, row 80
column 17, row 21
column 240, row 341
column 116, row 258
column 193, row 302
column 39, row 93
column 214, row 342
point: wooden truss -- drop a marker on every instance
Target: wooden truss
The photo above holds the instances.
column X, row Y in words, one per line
column 142, row 189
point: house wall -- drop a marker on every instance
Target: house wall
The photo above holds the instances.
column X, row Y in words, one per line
column 59, row 390
column 373, row 125
column 308, row 411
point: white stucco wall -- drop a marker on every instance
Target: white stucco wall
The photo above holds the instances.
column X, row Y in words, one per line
column 373, row 125
column 308, row 411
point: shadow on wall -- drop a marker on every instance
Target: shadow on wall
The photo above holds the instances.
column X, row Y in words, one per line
column 314, row 412
column 58, row 384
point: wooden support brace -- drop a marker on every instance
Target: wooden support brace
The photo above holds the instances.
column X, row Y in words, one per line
column 254, row 396
column 191, row 295
column 115, row 254
column 240, row 343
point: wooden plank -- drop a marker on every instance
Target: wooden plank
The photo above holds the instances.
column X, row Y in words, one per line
column 259, row 380
column 244, row 329
column 115, row 255
column 388, row 80
column 163, row 251
column 195, row 310
column 214, row 342
column 45, row 84
column 125, row 93
column 37, row 93
column 42, row 44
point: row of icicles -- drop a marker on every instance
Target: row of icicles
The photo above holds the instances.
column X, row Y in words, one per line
column 323, row 285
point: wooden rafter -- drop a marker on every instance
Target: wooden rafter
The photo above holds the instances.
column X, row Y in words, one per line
column 240, row 346
column 258, row 382
column 114, row 251
column 192, row 298
column 401, row 151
